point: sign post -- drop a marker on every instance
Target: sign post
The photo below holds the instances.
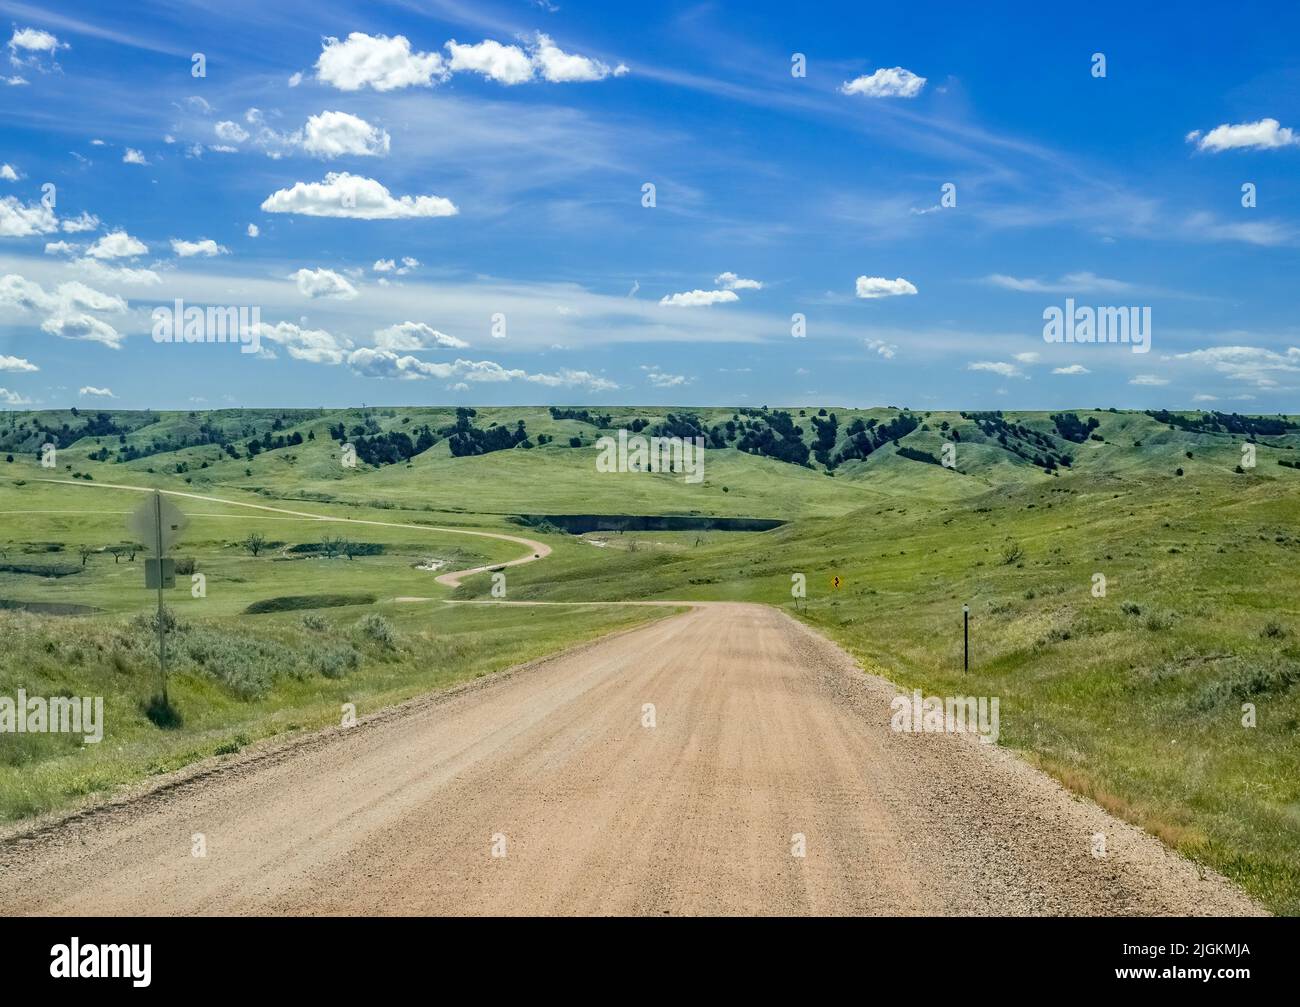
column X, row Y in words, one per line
column 157, row 523
column 965, row 632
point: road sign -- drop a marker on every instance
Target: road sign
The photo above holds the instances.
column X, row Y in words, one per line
column 157, row 523
column 145, row 519
column 159, row 573
column 836, row 582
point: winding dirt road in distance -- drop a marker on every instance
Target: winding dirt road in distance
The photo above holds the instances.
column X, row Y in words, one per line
column 763, row 730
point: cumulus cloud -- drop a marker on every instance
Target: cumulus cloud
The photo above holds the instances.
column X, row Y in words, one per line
column 884, row 349
column 391, row 266
column 698, row 298
column 333, row 134
column 22, row 220
column 415, row 336
column 17, row 365
column 877, row 286
column 133, row 156
column 315, row 346
column 229, row 131
column 1151, row 380
column 253, row 231
column 344, row 195
column 730, row 281
column 66, row 309
column 384, row 363
column 83, row 222
column 34, row 40
column 558, row 66
column 102, row 393
column 204, row 246
column 1266, row 134
column 996, row 367
column 506, row 64
column 1251, row 364
column 892, row 82
column 662, row 379
column 60, row 248
column 117, row 245
column 9, row 173
column 315, row 283
column 1072, row 369
column 378, row 62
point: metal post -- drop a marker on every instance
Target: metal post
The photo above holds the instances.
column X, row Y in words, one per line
column 162, row 647
column 965, row 629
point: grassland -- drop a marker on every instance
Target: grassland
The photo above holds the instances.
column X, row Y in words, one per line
column 1135, row 698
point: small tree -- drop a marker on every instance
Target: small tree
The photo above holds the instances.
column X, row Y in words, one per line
column 255, row 543
column 332, row 545
column 85, row 552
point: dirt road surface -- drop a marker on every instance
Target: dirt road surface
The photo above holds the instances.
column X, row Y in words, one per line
column 763, row 730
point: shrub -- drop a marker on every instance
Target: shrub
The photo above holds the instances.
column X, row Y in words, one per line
column 315, row 622
column 337, row 662
column 379, row 629
column 163, row 714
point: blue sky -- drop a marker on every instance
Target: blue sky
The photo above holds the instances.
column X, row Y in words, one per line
column 497, row 154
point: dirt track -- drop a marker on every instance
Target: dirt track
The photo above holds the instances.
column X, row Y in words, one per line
column 763, row 730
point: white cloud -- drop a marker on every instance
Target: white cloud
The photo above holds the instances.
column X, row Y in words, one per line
column 699, row 298
column 117, row 245
column 730, row 281
column 415, row 336
column 996, row 367
column 133, row 156
column 1252, row 364
column 1031, row 357
column 1149, row 380
column 662, row 379
column 103, row 393
column 1205, row 398
column 83, row 222
column 19, row 220
column 506, row 64
column 324, row 283
column 892, row 82
column 229, row 131
column 380, row 363
column 1266, row 134
column 345, row 195
column 17, row 365
column 118, row 274
column 253, row 231
column 204, row 246
column 878, row 286
column 14, row 81
column 1072, row 369
column 377, row 61
column 315, row 346
column 9, row 173
column 391, row 266
column 60, row 248
column 295, row 79
column 80, row 326
column 884, row 349
column 34, row 40
column 1070, row 283
column 333, row 134
column 558, row 66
